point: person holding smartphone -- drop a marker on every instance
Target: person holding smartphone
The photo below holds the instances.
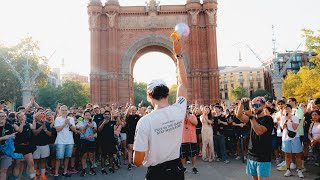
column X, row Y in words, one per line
column 87, row 129
column 291, row 143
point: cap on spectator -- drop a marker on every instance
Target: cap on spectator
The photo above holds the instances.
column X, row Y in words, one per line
column 96, row 106
column 2, row 101
column 49, row 113
column 155, row 83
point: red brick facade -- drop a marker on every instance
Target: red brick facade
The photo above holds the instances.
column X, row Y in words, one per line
column 120, row 35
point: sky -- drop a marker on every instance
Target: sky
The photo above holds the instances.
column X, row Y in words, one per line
column 61, row 27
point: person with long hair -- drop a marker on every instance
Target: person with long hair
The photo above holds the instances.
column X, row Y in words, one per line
column 207, row 135
column 314, row 135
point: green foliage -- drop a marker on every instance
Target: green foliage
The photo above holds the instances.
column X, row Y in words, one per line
column 313, row 44
column 15, row 57
column 71, row 93
column 305, row 84
column 237, row 93
column 140, row 93
column 260, row 92
column 173, row 94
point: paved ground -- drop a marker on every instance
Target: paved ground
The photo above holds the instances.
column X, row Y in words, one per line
column 207, row 171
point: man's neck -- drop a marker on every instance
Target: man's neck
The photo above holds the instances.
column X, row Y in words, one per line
column 161, row 104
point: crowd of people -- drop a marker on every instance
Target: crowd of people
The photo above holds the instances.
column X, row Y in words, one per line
column 84, row 138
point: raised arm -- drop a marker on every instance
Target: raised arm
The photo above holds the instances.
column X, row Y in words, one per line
column 181, row 70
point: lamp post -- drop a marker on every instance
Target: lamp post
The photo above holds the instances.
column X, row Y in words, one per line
column 25, row 79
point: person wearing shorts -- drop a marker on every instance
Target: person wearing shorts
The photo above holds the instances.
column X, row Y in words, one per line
column 64, row 141
column 6, row 132
column 260, row 142
column 87, row 148
column 23, row 144
column 291, row 143
column 189, row 141
column 106, row 129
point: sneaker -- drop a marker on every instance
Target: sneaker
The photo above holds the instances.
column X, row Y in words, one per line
column 277, row 161
column 293, row 166
column 282, row 164
column 288, row 173
column 66, row 174
column 111, row 169
column 103, row 171
column 194, row 171
column 188, row 162
column 238, row 158
column 282, row 168
column 218, row 159
column 43, row 177
column 300, row 174
column 73, row 171
column 92, row 172
column 53, row 172
column 56, row 177
column 129, row 167
column 184, row 170
column 83, row 173
column 226, row 161
column 316, row 164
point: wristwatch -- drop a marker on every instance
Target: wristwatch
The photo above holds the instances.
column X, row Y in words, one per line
column 251, row 117
column 179, row 56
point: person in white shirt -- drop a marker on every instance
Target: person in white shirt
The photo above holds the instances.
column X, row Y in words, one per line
column 64, row 140
column 291, row 144
column 158, row 135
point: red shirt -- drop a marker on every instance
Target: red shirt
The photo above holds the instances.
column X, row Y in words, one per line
column 189, row 130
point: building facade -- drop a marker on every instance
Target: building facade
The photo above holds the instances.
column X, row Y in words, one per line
column 120, row 35
column 74, row 77
column 299, row 59
column 249, row 78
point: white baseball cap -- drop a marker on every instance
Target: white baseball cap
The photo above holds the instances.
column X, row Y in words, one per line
column 155, row 83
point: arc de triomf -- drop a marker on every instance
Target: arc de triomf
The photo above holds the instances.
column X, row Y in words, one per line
column 122, row 34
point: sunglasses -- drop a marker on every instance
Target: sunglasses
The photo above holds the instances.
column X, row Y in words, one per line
column 255, row 105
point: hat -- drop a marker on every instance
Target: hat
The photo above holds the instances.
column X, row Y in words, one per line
column 96, row 106
column 155, row 83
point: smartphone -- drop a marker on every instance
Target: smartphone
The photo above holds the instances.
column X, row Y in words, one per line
column 246, row 105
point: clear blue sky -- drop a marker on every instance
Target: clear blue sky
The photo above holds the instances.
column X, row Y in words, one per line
column 62, row 26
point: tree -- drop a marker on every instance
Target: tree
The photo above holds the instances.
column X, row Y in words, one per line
column 13, row 59
column 48, row 96
column 305, row 84
column 173, row 94
column 261, row 92
column 237, row 93
column 140, row 93
column 73, row 93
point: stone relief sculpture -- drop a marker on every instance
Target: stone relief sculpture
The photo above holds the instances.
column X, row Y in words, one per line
column 194, row 16
column 111, row 19
column 212, row 15
column 93, row 20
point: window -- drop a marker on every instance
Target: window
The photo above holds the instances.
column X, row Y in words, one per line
column 259, row 85
column 226, row 95
column 250, row 77
column 258, row 76
column 251, row 92
column 251, row 84
column 231, row 85
column 220, row 95
column 241, row 84
column 299, row 58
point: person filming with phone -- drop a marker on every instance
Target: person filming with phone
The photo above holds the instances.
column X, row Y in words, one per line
column 260, row 142
column 291, row 143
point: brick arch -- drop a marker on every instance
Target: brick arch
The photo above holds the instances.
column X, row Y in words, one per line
column 143, row 45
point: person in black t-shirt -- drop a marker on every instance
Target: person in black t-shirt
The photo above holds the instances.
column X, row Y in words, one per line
column 41, row 138
column 219, row 122
column 197, row 113
column 131, row 122
column 6, row 132
column 260, row 143
column 106, row 131
column 23, row 144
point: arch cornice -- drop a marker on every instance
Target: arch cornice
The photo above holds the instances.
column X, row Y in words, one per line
column 141, row 43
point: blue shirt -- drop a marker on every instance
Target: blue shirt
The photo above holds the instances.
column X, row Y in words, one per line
column 88, row 133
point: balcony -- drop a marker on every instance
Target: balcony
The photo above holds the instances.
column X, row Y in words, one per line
column 241, row 80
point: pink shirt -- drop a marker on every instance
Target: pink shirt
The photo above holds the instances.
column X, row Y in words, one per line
column 189, row 130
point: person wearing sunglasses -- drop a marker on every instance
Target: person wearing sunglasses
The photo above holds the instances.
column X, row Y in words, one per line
column 260, row 142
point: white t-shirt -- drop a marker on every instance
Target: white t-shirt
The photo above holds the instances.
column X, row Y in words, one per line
column 159, row 134
column 64, row 136
column 278, row 115
column 285, row 136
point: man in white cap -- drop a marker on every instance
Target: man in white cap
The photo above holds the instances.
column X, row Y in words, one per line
column 158, row 135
